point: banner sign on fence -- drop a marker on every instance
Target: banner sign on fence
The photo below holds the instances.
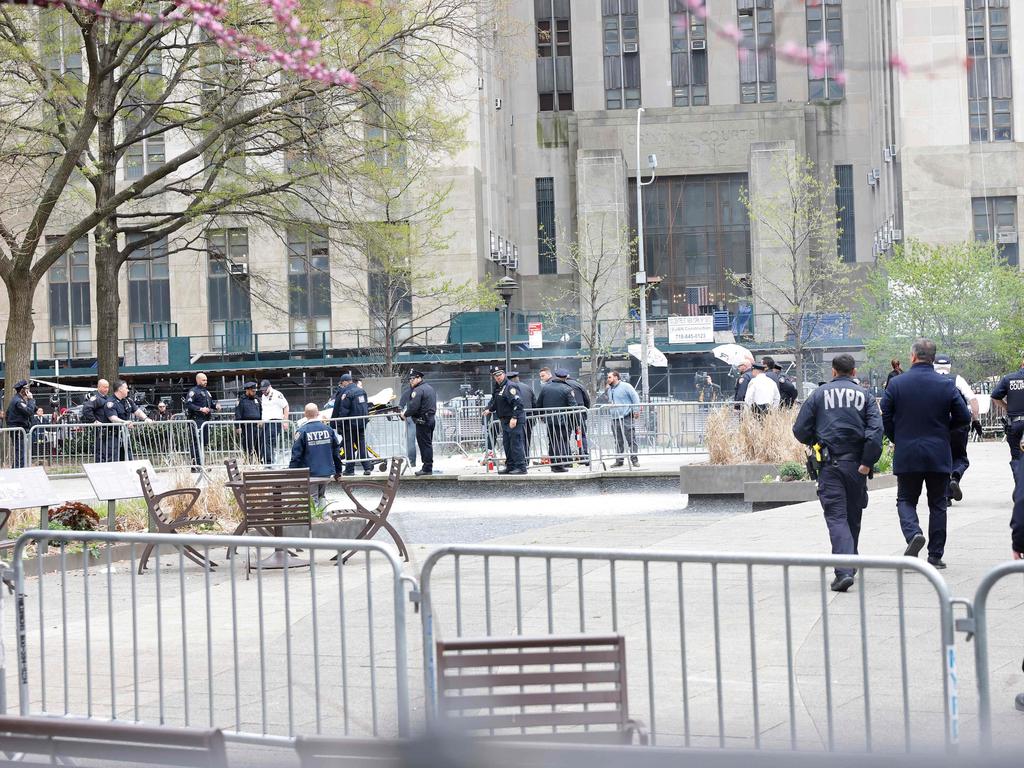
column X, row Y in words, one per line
column 536, row 335
column 691, row 330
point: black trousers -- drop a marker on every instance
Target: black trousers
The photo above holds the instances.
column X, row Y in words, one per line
column 197, row 456
column 958, row 445
column 558, row 442
column 252, row 440
column 514, row 442
column 425, row 442
column 18, row 449
column 353, row 437
column 908, row 491
column 1014, row 433
column 843, row 493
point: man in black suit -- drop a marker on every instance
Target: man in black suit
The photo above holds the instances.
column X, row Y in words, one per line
column 919, row 409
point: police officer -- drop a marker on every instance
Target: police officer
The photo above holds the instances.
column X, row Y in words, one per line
column 739, row 394
column 507, row 404
column 20, row 411
column 249, row 409
column 1008, row 397
column 351, row 405
column 578, row 423
column 958, row 437
column 118, row 409
column 199, row 407
column 528, row 405
column 421, row 409
column 787, row 391
column 557, row 393
column 843, row 418
column 317, row 447
column 95, row 402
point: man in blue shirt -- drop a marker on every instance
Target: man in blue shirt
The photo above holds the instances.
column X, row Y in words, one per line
column 317, row 447
column 624, row 413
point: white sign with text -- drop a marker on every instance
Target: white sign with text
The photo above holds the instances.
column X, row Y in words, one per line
column 691, row 330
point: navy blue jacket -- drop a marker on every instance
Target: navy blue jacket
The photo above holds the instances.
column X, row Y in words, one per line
column 844, row 417
column 317, row 447
column 350, row 401
column 248, row 409
column 919, row 408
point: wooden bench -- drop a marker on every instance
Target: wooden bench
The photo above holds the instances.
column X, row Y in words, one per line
column 375, row 518
column 52, row 741
column 519, row 687
column 165, row 523
column 271, row 500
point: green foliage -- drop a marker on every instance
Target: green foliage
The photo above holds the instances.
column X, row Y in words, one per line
column 884, row 464
column 961, row 295
column 74, row 516
column 792, row 470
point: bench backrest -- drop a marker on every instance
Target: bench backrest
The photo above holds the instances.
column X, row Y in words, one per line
column 43, row 738
column 149, row 495
column 499, row 684
column 390, row 489
column 278, row 497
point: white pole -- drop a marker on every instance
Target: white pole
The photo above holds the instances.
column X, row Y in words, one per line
column 641, row 276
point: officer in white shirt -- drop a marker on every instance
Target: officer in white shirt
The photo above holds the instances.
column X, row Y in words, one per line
column 275, row 419
column 958, row 437
column 762, row 392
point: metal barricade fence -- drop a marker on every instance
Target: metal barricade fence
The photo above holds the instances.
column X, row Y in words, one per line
column 14, row 448
column 384, row 434
column 251, row 443
column 621, row 432
column 726, row 649
column 62, row 449
column 294, row 651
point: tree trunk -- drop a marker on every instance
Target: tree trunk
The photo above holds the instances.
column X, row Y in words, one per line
column 20, row 327
column 108, row 305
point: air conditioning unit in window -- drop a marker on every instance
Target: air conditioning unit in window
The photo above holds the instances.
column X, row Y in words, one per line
column 1006, row 236
column 631, row 47
column 886, row 154
column 871, row 178
column 897, row 235
column 698, row 45
column 238, row 269
column 497, row 103
column 876, row 173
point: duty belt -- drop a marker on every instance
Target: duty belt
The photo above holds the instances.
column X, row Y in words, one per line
column 1016, row 419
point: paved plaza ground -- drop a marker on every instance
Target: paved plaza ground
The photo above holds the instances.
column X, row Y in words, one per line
column 631, row 519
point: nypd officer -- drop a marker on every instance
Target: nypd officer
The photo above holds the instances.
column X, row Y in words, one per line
column 350, row 404
column 118, row 409
column 421, row 409
column 20, row 411
column 249, row 409
column 316, row 447
column 844, row 419
column 558, row 393
column 528, row 405
column 1008, row 397
column 507, row 404
column 199, row 407
column 96, row 401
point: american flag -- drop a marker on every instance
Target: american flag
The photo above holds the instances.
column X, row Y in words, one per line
column 695, row 298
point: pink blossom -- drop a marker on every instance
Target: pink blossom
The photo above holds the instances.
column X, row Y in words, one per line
column 698, row 8
column 898, row 63
column 731, row 32
column 840, row 78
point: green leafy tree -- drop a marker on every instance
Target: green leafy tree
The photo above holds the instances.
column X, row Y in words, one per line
column 962, row 295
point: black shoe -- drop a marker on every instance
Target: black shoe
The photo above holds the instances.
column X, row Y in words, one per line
column 619, row 463
column 842, row 583
column 559, row 469
column 636, row 462
column 421, row 472
column 516, row 472
column 936, row 562
column 954, row 490
column 367, row 471
column 1018, row 702
column 914, row 545
column 504, row 471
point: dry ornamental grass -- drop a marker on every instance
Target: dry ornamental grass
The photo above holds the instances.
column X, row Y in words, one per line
column 740, row 437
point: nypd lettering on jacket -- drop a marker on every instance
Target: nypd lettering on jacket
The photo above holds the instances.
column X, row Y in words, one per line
column 845, row 418
column 844, row 398
column 319, row 437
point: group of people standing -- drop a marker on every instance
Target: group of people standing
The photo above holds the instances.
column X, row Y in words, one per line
column 762, row 386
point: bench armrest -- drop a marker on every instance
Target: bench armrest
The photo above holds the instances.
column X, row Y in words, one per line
column 638, row 728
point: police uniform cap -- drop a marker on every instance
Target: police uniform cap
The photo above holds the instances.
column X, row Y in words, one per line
column 265, row 384
column 496, row 369
column 249, row 385
column 759, row 366
column 346, row 377
column 414, row 374
column 943, row 360
column 776, row 367
column 561, row 373
column 21, row 384
column 513, row 374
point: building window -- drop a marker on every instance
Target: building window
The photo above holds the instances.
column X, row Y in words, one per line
column 689, row 56
column 696, row 231
column 995, row 220
column 990, row 76
column 825, row 22
column 146, row 150
column 847, row 240
column 621, row 54
column 149, row 290
column 309, row 287
column 547, row 261
column 756, row 22
column 554, row 55
column 228, row 289
column 60, row 42
column 70, row 311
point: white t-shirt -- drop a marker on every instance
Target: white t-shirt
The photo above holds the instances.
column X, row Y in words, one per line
column 965, row 388
column 762, row 390
column 274, row 405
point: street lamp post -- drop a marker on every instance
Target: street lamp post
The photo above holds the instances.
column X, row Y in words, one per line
column 641, row 266
column 506, row 287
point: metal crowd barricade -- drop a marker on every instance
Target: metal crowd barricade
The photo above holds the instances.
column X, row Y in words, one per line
column 244, row 441
column 302, row 650
column 705, row 665
column 384, row 434
column 62, row 449
column 620, row 432
column 555, row 436
column 14, row 448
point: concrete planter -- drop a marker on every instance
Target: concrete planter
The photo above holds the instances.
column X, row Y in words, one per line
column 795, row 492
column 721, row 479
column 328, row 529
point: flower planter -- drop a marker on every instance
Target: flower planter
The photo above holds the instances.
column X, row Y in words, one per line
column 721, row 479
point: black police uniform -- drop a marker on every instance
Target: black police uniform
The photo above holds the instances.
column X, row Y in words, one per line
column 421, row 409
column 579, row 423
column 787, row 390
column 529, row 403
column 109, row 443
column 508, row 405
column 355, row 409
column 740, row 392
column 844, row 418
column 92, row 406
column 19, row 414
column 197, row 398
column 557, row 393
column 1010, row 390
column 250, row 409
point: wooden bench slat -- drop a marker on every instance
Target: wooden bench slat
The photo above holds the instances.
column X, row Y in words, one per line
column 514, row 659
column 498, row 679
column 541, row 719
column 542, row 698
